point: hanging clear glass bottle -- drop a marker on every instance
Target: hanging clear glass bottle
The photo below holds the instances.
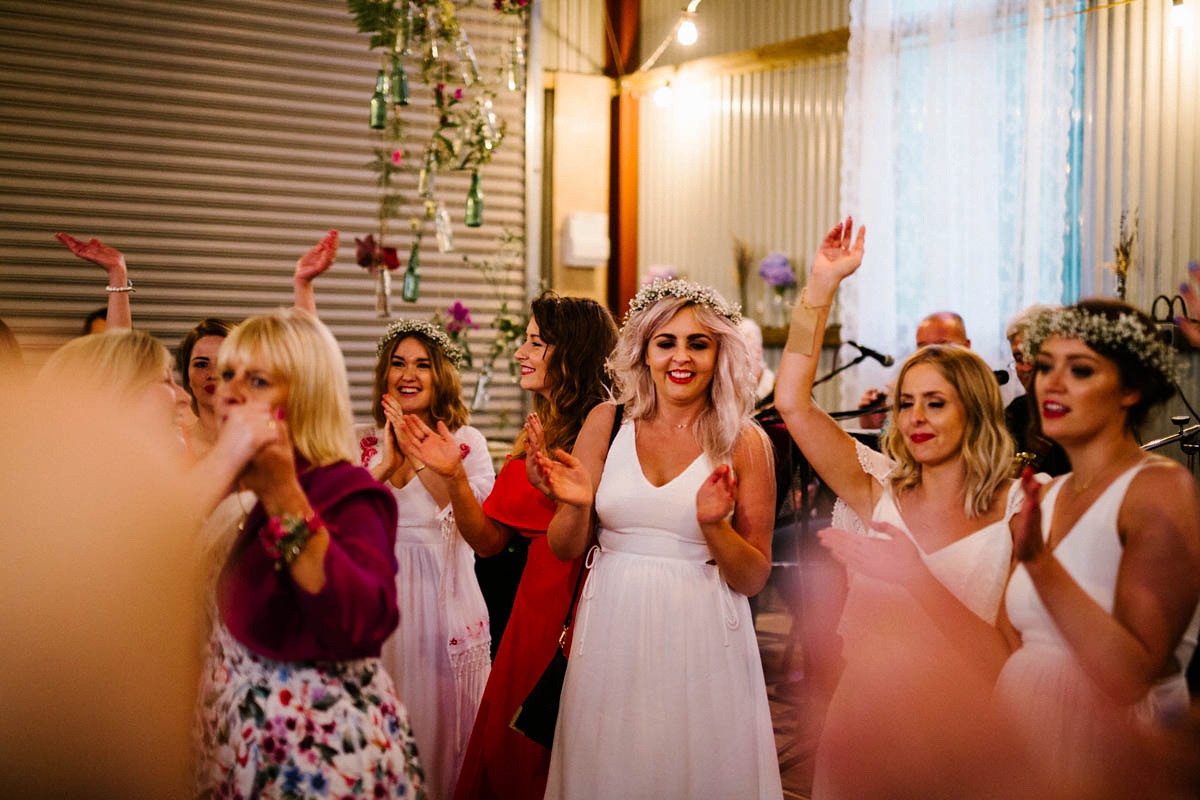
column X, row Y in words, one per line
column 516, row 62
column 425, row 176
column 468, row 65
column 404, row 45
column 487, row 118
column 379, row 101
column 399, row 82
column 441, row 226
column 383, row 291
column 473, row 215
column 431, row 30
column 480, row 397
column 412, row 279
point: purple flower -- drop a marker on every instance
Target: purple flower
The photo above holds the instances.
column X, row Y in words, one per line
column 458, row 94
column 460, row 318
column 776, row 270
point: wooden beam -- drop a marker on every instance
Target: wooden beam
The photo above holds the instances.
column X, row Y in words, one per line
column 780, row 55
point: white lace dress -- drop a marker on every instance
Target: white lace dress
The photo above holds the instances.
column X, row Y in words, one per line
column 893, row 726
column 439, row 655
column 664, row 695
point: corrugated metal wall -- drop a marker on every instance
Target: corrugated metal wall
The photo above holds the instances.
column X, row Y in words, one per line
column 214, row 142
column 1142, row 144
column 573, row 37
column 727, row 26
column 756, row 156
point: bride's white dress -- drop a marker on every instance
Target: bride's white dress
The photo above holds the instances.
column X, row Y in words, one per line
column 664, row 695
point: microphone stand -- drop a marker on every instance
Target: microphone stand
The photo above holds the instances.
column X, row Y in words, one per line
column 851, row 363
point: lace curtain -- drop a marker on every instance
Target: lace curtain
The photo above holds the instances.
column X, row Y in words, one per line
column 955, row 155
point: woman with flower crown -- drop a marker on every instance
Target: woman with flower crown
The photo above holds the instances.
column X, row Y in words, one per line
column 439, row 655
column 562, row 364
column 664, row 692
column 1101, row 610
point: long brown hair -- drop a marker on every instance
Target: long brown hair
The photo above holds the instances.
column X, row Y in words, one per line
column 580, row 334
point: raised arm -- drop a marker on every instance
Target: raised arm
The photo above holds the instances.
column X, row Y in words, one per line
column 827, row 447
column 571, row 481
column 1158, row 582
column 741, row 543
column 308, row 267
column 113, row 263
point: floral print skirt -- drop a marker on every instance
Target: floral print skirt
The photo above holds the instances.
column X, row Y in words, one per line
column 300, row 729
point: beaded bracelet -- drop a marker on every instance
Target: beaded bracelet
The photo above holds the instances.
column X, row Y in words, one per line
column 128, row 287
column 284, row 537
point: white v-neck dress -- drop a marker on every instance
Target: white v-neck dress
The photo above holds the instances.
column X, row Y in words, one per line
column 664, row 695
column 900, row 723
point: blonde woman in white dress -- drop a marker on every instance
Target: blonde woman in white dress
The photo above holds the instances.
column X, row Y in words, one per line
column 439, row 655
column 664, row 694
column 943, row 499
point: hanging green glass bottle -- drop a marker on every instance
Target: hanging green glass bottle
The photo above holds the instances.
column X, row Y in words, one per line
column 399, row 82
column 379, row 101
column 412, row 280
column 473, row 215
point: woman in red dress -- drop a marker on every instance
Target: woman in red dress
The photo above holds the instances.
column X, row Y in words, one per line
column 562, row 363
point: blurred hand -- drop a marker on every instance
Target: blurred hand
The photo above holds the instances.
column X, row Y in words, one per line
column 438, row 450
column 565, row 477
column 535, row 443
column 894, row 559
column 715, row 498
column 96, row 251
column 318, row 259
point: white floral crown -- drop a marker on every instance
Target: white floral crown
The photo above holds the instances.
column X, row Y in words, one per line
column 684, row 290
column 453, row 353
column 1126, row 333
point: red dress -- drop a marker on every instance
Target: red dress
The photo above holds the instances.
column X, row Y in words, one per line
column 500, row 763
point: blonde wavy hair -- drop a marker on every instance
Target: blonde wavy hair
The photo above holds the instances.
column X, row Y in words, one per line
column 731, row 392
column 120, row 361
column 987, row 447
column 297, row 349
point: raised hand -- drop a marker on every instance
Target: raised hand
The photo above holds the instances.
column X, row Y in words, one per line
column 894, row 559
column 1028, row 543
column 715, row 498
column 272, row 469
column 96, row 251
column 1191, row 328
column 438, row 450
column 836, row 257
column 535, row 443
column 565, row 477
column 245, row 431
column 318, row 259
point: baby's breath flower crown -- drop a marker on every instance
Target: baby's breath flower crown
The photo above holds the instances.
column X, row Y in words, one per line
column 685, row 290
column 1126, row 333
column 439, row 338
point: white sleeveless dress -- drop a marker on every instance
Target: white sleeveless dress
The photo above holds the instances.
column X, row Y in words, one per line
column 906, row 717
column 664, row 695
column 1068, row 724
column 439, row 655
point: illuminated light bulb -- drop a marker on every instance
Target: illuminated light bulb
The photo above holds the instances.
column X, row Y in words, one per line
column 1178, row 14
column 662, row 96
column 687, row 34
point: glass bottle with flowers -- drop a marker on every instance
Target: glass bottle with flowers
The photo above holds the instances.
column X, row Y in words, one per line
column 777, row 273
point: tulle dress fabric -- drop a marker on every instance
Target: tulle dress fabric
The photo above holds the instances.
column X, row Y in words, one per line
column 906, row 718
column 439, row 656
column 501, row 764
column 664, row 694
column 1070, row 728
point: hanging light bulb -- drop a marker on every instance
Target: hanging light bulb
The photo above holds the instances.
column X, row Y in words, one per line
column 687, row 33
column 663, row 95
column 1178, row 14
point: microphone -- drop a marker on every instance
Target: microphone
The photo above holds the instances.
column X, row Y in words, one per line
column 887, row 361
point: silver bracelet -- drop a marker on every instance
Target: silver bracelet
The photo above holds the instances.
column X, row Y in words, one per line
column 128, row 287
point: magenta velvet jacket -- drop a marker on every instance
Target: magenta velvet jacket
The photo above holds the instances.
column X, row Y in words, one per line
column 355, row 611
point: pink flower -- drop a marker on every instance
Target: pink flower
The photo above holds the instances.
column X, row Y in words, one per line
column 464, row 449
column 458, row 94
column 397, row 155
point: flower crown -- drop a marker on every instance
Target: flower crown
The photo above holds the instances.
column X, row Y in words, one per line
column 452, row 352
column 1126, row 333
column 684, row 290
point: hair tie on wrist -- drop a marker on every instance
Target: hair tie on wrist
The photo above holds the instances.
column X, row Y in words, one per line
column 128, row 287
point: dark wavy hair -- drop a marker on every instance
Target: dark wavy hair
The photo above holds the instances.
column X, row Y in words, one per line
column 1135, row 373
column 183, row 354
column 446, row 404
column 580, row 333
